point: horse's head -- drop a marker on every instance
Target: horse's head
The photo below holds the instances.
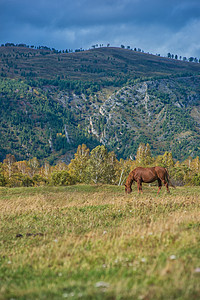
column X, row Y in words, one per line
column 128, row 189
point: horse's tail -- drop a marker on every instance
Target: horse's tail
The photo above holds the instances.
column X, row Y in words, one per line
column 168, row 180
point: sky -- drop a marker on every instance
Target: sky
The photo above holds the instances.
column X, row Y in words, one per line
column 155, row 26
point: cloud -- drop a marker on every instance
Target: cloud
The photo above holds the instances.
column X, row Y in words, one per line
column 186, row 41
column 156, row 25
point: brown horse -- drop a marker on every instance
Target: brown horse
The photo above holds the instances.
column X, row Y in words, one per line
column 148, row 175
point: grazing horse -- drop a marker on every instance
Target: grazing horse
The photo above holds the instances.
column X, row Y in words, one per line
column 148, row 175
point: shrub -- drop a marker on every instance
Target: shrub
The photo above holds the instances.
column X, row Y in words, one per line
column 27, row 181
column 39, row 180
column 2, row 180
column 196, row 179
column 18, row 180
column 62, row 178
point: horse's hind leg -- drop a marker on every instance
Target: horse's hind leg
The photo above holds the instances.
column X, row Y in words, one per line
column 166, row 184
column 159, row 185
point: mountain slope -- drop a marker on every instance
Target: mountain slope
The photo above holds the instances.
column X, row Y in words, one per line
column 164, row 113
column 34, row 124
column 50, row 103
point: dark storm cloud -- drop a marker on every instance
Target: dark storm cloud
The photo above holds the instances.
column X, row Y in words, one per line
column 64, row 13
column 152, row 24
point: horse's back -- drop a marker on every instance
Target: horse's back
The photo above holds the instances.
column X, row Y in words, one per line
column 161, row 172
column 145, row 174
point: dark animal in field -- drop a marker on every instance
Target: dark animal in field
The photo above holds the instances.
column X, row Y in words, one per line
column 148, row 175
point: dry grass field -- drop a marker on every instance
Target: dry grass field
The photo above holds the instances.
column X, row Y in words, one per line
column 95, row 242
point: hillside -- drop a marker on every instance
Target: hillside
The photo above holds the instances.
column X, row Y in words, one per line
column 52, row 102
column 33, row 123
column 97, row 65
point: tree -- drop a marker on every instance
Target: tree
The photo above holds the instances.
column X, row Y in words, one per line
column 102, row 166
column 143, row 156
column 180, row 173
column 165, row 160
column 9, row 164
column 61, row 166
column 23, row 167
column 45, row 170
column 110, row 163
column 34, row 164
column 78, row 165
column 123, row 169
column 96, row 164
column 2, row 177
column 195, row 165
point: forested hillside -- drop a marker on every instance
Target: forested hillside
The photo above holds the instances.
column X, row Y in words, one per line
column 33, row 124
column 52, row 102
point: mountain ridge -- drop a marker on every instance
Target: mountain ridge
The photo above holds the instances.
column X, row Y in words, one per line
column 94, row 64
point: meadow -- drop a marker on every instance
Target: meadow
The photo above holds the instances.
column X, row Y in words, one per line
column 95, row 242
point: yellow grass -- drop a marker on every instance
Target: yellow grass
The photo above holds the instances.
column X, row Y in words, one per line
column 97, row 243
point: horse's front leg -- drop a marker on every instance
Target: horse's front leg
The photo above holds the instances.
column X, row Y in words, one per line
column 139, row 185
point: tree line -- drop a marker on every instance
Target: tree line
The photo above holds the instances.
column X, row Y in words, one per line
column 98, row 166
